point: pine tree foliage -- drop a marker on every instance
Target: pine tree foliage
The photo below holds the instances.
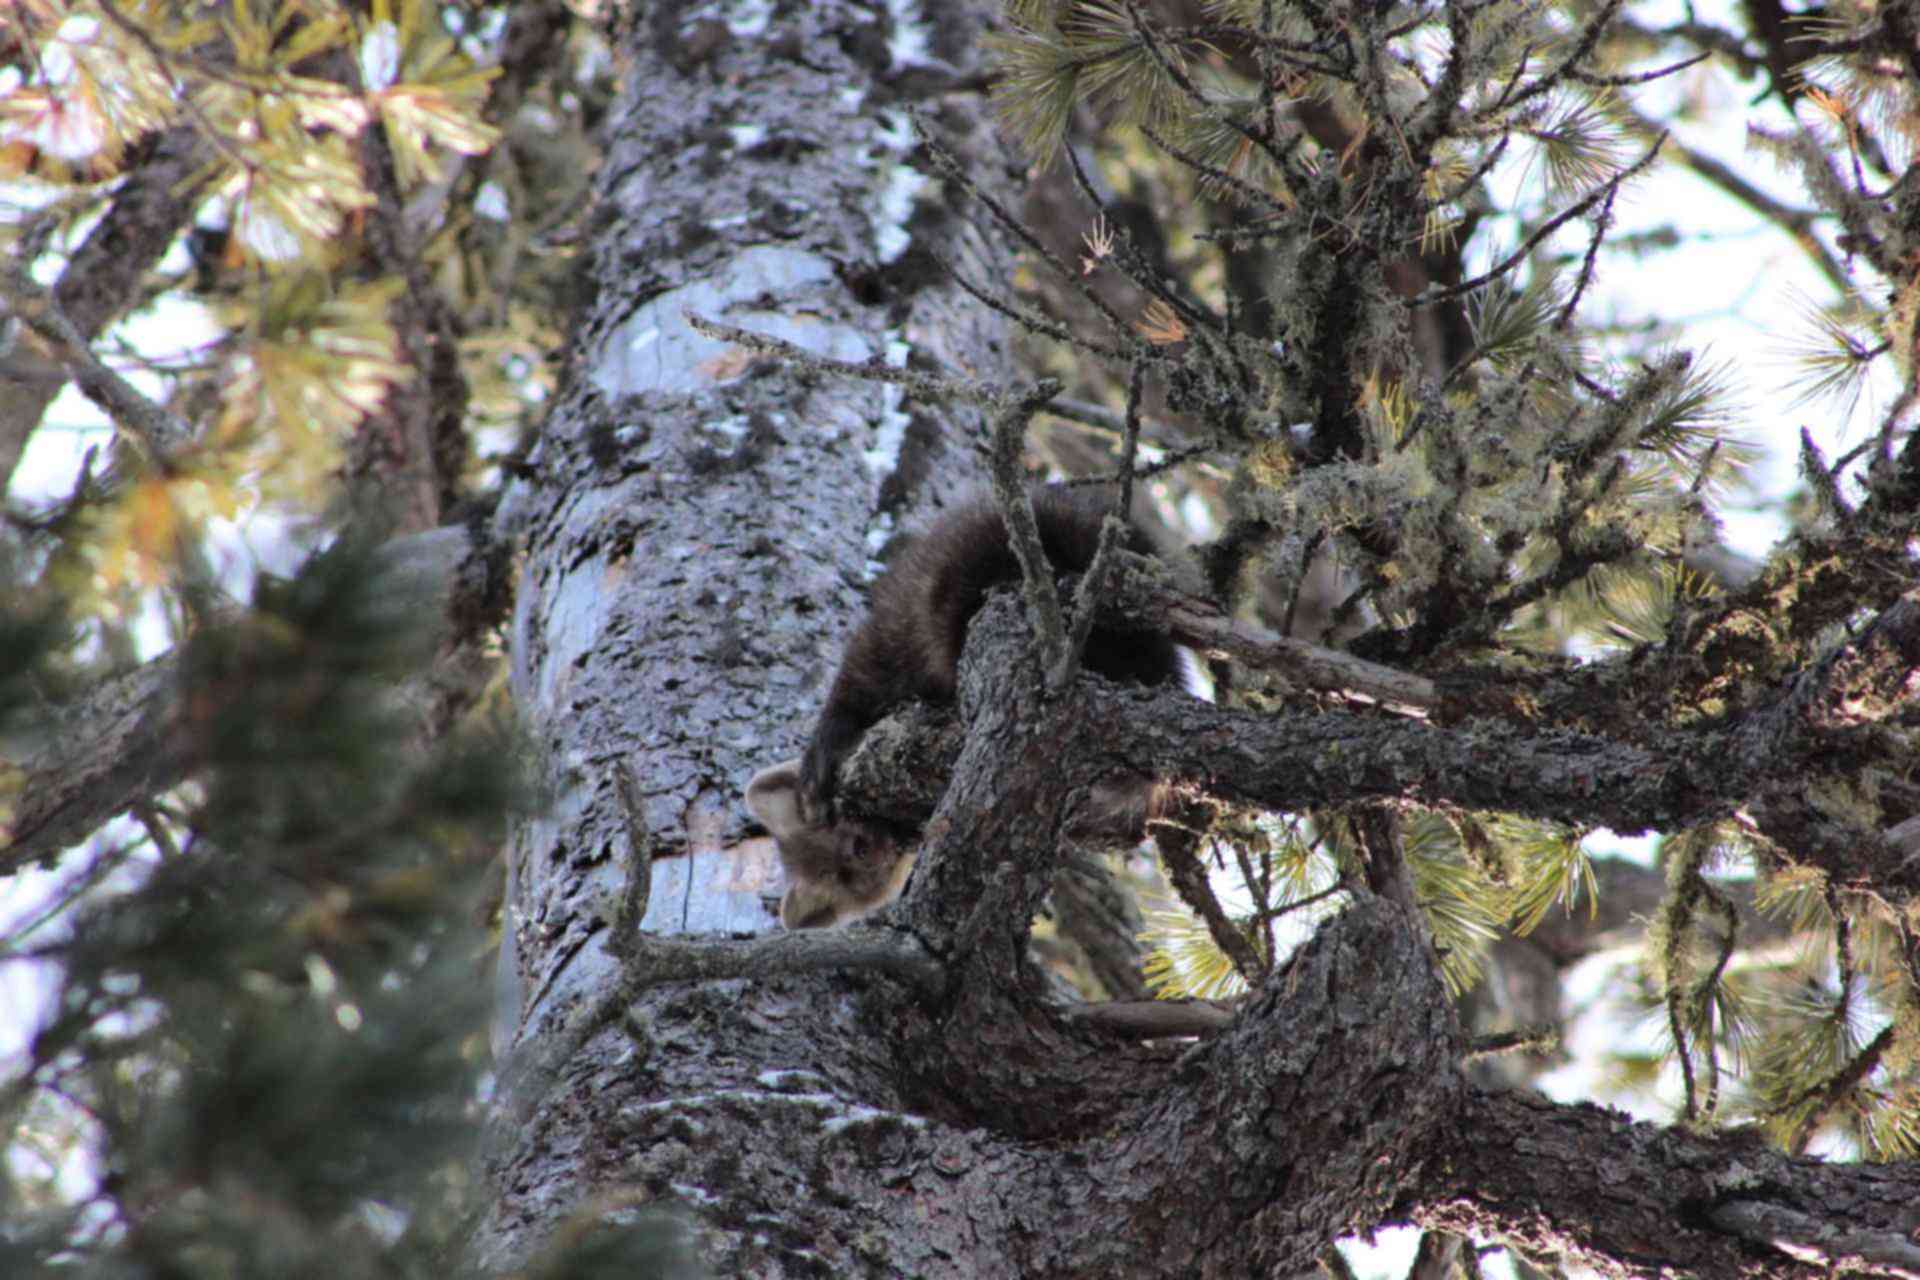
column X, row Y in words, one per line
column 1337, row 266
column 267, row 1044
column 303, row 117
column 1835, row 353
column 249, row 233
column 1548, row 490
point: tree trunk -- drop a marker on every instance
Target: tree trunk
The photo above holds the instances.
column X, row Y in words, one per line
column 906, row 1099
column 698, row 528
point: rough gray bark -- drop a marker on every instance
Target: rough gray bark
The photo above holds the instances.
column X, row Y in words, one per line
column 1663, row 779
column 1587, row 1185
column 697, row 525
column 697, row 529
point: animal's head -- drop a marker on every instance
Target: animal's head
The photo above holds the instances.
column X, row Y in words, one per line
column 836, row 872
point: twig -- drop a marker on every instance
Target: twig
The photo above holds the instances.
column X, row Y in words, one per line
column 639, row 887
column 527, row 1073
column 164, row 435
column 1644, row 77
column 1153, row 1019
column 1189, row 880
column 1093, row 583
column 1601, row 225
column 1548, row 228
column 1581, row 49
column 1540, row 1039
column 951, row 166
column 926, row 386
column 1309, row 665
column 1027, row 320
column 870, row 948
column 1677, row 922
column 1023, row 532
column 1724, row 905
column 1271, row 914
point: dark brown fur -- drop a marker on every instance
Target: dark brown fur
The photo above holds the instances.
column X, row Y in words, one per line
column 907, row 650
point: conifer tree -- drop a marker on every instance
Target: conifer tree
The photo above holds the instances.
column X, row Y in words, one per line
column 650, row 329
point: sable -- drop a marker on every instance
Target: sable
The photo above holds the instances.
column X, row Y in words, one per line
column 907, row 650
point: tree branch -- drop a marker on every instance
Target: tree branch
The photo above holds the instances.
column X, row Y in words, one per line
column 1527, row 1170
column 164, row 434
column 125, row 740
column 104, row 276
column 1665, row 780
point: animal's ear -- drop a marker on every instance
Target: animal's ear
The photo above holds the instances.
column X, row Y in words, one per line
column 774, row 797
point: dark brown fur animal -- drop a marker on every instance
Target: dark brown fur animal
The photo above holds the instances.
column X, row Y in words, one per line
column 908, row 649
